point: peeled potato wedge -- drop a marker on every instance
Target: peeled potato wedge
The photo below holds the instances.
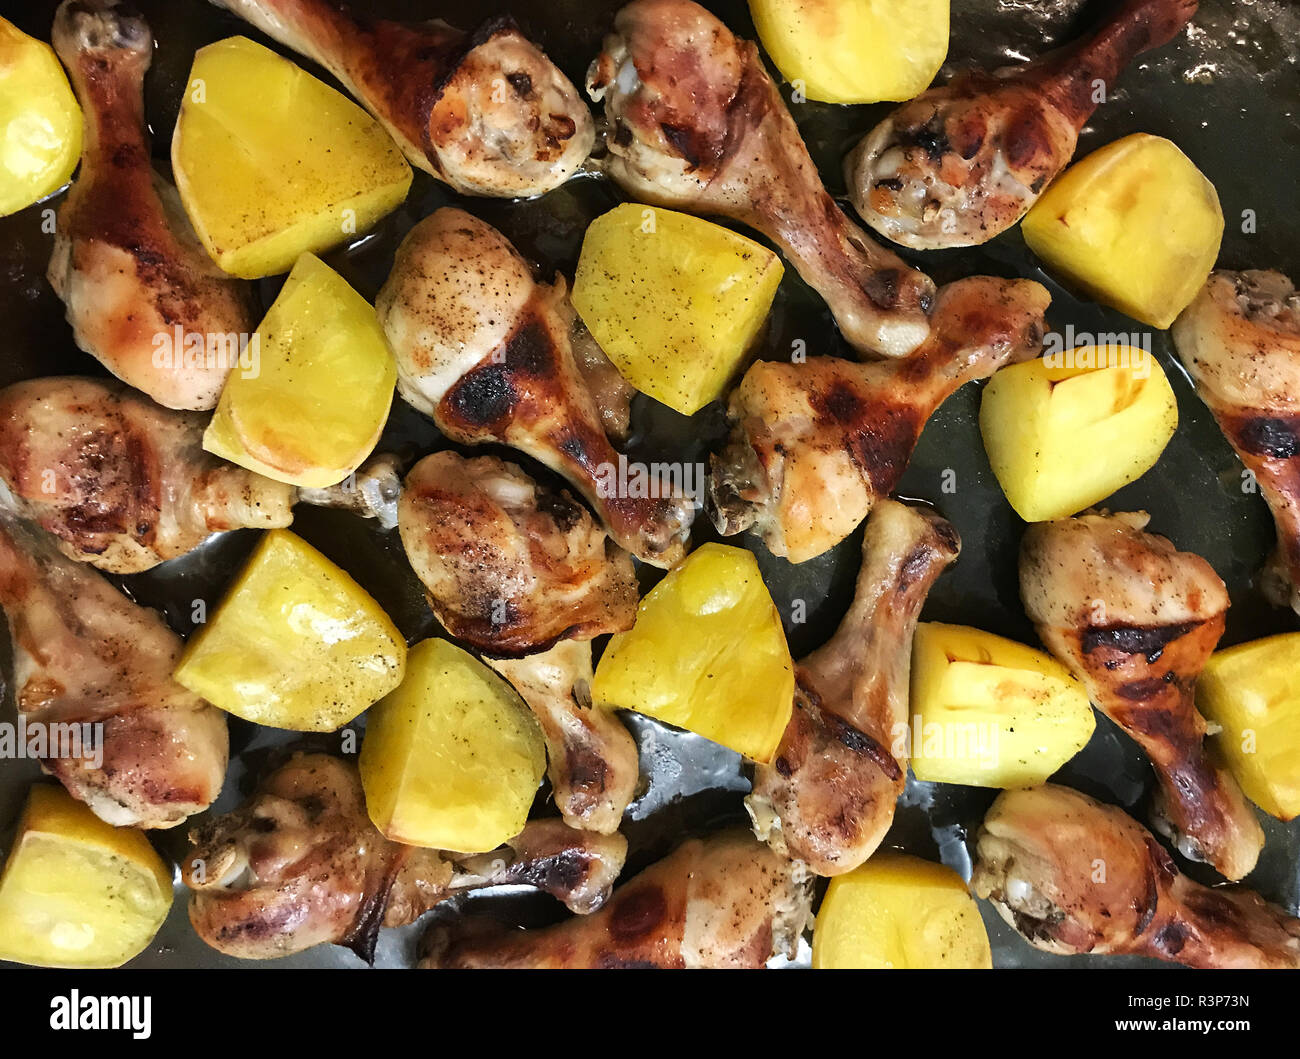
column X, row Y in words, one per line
column 990, row 712
column 1135, row 225
column 271, row 163
column 855, row 51
column 707, row 653
column 1066, row 431
column 902, row 913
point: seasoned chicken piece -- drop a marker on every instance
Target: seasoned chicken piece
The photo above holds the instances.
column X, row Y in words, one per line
column 828, row 796
column 1075, row 876
column 1240, row 341
column 960, row 164
column 722, row 901
column 125, row 484
column 126, row 262
column 485, row 111
column 300, row 864
column 84, row 654
column 486, row 351
column 815, row 445
column 1136, row 620
column 696, row 124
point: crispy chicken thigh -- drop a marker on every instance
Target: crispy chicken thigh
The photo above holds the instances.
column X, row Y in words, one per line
column 960, row 164
column 816, row 444
column 828, row 796
column 722, row 901
column 697, row 124
column 1075, row 876
column 1240, row 341
column 126, row 262
column 84, row 654
column 124, row 484
column 300, row 864
column 1136, row 621
column 485, row 111
column 486, row 351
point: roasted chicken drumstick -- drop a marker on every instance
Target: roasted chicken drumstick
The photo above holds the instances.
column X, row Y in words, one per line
column 1136, row 621
column 697, row 124
column 828, row 796
column 1075, row 876
column 722, row 901
column 1240, row 341
column 300, row 864
column 125, row 484
column 84, row 654
column 815, row 445
column 960, row 164
column 516, row 569
column 486, row 351
column 485, row 111
column 126, row 262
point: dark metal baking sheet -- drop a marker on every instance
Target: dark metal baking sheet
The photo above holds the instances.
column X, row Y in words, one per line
column 1227, row 92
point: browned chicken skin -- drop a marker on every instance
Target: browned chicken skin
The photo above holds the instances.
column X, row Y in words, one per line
column 828, row 796
column 1240, row 341
column 124, row 484
column 697, row 124
column 516, row 569
column 84, row 654
column 1136, row 621
column 960, row 164
column 486, row 351
column 722, row 901
column 300, row 864
column 126, row 262
column 816, row 444
column 1075, row 876
column 486, row 111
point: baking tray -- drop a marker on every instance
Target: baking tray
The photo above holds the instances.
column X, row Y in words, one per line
column 1227, row 92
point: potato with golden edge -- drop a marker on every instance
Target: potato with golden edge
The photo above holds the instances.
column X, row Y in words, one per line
column 452, row 759
column 40, row 121
column 77, row 892
column 1068, row 430
column 308, row 402
column 675, row 302
column 855, row 51
column 990, row 712
column 1251, row 692
column 707, row 653
column 1135, row 224
column 271, row 163
column 295, row 644
column 902, row 913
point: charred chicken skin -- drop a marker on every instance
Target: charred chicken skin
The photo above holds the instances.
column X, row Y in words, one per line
column 300, row 864
column 1074, row 876
column 960, row 164
column 486, row 111
column 1136, row 621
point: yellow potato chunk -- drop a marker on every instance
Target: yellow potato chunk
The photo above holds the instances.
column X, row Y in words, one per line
column 854, row 51
column 707, row 653
column 1135, row 224
column 675, row 302
column 1252, row 693
column 295, row 644
column 40, row 122
column 272, row 163
column 902, row 913
column 452, row 759
column 1068, row 430
column 990, row 712
column 311, row 394
column 77, row 892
